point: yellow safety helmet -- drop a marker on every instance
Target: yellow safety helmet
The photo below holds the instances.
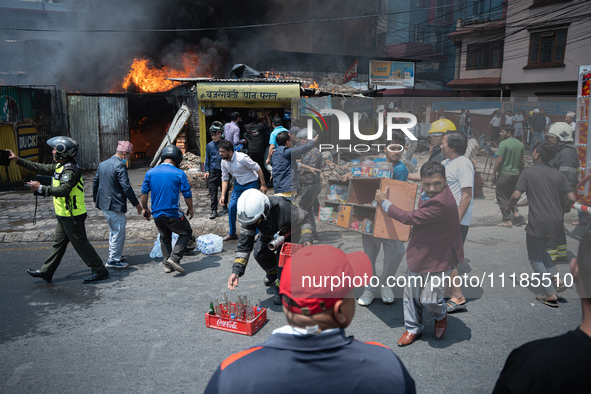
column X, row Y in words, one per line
column 442, row 126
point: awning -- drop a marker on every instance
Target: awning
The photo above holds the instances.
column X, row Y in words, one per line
column 247, row 91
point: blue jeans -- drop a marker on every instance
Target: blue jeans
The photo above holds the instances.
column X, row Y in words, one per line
column 540, row 260
column 536, row 137
column 233, row 206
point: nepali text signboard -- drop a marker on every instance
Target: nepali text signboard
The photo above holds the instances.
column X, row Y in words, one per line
column 391, row 73
column 247, row 91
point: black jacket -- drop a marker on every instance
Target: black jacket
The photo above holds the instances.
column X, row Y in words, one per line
column 567, row 162
column 283, row 215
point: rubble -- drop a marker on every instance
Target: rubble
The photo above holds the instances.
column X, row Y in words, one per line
column 190, row 160
column 191, row 164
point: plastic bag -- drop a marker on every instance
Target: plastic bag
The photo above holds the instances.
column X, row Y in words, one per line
column 157, row 249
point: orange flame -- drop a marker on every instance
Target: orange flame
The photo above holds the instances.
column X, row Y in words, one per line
column 150, row 79
column 313, row 85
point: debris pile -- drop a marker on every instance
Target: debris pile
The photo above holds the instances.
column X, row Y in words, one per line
column 190, row 160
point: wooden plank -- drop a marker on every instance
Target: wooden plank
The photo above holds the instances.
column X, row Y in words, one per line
column 403, row 194
column 175, row 128
column 344, row 217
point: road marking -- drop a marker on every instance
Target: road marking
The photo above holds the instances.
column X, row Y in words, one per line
column 50, row 247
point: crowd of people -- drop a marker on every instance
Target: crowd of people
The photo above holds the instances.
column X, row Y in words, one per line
column 313, row 344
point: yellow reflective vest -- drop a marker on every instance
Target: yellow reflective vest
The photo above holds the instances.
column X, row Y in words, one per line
column 73, row 205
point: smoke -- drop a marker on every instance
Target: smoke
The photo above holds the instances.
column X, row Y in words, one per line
column 98, row 61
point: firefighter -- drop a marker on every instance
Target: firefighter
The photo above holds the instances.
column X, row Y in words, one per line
column 567, row 162
column 67, row 190
column 274, row 217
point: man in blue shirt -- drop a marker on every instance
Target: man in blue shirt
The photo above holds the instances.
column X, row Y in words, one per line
column 213, row 170
column 312, row 354
column 165, row 182
column 277, row 123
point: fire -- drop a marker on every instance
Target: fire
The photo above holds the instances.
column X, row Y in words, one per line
column 313, row 85
column 150, row 79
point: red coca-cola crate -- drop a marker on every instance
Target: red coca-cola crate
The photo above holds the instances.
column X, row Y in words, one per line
column 288, row 250
column 244, row 327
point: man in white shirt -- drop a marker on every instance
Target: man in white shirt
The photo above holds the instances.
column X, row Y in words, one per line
column 248, row 175
column 570, row 119
column 509, row 118
column 495, row 123
column 459, row 173
column 518, row 121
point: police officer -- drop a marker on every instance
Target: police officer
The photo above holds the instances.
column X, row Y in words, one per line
column 272, row 216
column 67, row 189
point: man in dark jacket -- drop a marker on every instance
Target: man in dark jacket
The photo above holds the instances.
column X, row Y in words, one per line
column 285, row 175
column 434, row 249
column 567, row 162
column 110, row 192
column 538, row 127
column 257, row 139
column 312, row 354
column 273, row 217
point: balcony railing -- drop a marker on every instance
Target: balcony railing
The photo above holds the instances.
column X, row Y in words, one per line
column 482, row 18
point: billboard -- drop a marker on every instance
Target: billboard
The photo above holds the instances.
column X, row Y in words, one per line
column 391, row 73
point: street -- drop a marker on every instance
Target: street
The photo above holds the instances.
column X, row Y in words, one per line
column 143, row 330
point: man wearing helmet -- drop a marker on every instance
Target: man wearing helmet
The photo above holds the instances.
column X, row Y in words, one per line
column 271, row 216
column 438, row 129
column 67, row 190
column 165, row 182
column 567, row 162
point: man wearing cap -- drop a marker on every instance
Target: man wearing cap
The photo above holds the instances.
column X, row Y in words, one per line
column 67, row 190
column 434, row 249
column 213, row 170
column 110, row 192
column 311, row 353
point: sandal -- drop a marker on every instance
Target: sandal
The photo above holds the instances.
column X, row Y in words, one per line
column 504, row 225
column 544, row 300
column 453, row 307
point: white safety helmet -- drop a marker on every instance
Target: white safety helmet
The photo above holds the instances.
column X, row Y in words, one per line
column 562, row 131
column 252, row 206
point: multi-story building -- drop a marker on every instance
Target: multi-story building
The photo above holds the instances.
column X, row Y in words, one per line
column 545, row 43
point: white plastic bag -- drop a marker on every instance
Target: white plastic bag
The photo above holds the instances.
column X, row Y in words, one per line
column 157, row 250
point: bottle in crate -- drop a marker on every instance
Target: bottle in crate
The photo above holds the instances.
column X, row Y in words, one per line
column 210, row 244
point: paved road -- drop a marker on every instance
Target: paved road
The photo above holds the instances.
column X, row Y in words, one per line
column 143, row 330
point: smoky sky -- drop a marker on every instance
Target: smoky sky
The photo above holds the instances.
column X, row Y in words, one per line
column 96, row 62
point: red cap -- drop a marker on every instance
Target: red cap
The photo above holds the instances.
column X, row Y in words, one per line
column 125, row 146
column 318, row 276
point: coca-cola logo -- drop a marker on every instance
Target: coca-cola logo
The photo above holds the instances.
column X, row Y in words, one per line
column 227, row 324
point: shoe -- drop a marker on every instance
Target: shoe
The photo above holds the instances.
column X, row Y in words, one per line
column 116, row 264
column 214, row 214
column 270, row 279
column 167, row 269
column 277, row 299
column 440, row 327
column 96, row 277
column 230, row 238
column 453, row 307
column 407, row 338
column 224, row 210
column 175, row 266
column 366, row 298
column 39, row 274
column 387, row 295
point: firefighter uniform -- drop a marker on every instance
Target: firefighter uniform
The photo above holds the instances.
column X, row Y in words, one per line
column 67, row 190
column 284, row 217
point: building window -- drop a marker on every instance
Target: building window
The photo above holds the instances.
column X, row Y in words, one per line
column 440, row 9
column 463, row 6
column 547, row 47
column 420, row 35
column 420, row 3
column 484, row 56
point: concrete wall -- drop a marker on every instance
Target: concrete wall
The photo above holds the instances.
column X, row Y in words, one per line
column 517, row 43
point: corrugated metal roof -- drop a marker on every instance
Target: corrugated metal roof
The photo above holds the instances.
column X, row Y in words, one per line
column 255, row 80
